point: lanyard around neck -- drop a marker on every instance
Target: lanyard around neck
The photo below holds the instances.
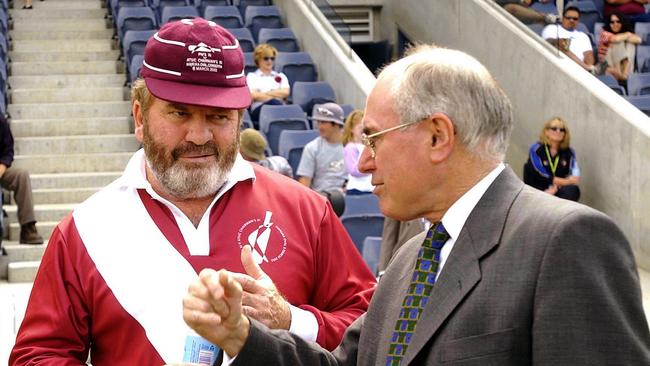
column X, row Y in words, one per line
column 551, row 163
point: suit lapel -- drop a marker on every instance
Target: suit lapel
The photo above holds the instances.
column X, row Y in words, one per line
column 480, row 234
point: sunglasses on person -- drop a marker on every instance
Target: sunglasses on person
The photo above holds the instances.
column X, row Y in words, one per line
column 614, row 22
column 572, row 18
column 269, row 58
column 557, row 129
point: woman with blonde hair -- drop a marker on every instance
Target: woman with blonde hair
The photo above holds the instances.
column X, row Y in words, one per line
column 358, row 183
column 552, row 166
column 267, row 85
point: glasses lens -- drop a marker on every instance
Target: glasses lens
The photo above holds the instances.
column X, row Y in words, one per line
column 557, row 129
column 269, row 58
column 572, row 18
column 614, row 22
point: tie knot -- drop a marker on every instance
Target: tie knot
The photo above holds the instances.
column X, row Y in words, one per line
column 437, row 236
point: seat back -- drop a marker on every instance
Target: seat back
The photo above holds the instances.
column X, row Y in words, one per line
column 249, row 62
column 360, row 204
column 245, row 38
column 642, row 29
column 258, row 17
column 135, row 66
column 172, row 13
column 134, row 43
column 282, row 39
column 642, row 102
column 203, row 4
column 638, row 84
column 243, row 4
column 117, row 4
column 276, row 118
column 225, row 16
column 306, row 94
column 642, row 58
column 361, row 226
column 611, row 82
column 298, row 66
column 291, row 143
column 135, row 18
column 371, row 251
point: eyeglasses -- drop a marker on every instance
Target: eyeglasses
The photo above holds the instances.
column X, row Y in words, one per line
column 370, row 140
column 556, row 129
column 614, row 22
column 269, row 58
column 572, row 18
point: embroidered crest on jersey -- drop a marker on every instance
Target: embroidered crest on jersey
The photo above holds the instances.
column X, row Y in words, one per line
column 266, row 239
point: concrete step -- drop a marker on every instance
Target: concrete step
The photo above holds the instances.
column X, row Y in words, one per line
column 61, row 4
column 23, row 252
column 66, row 67
column 44, row 228
column 92, row 45
column 66, row 81
column 29, row 24
column 54, row 56
column 61, row 35
column 71, row 127
column 62, row 195
column 64, row 110
column 73, row 180
column 46, row 13
column 75, row 144
column 23, row 271
column 72, row 163
column 21, row 96
column 43, row 212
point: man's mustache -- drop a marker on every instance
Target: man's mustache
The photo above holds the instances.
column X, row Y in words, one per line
column 209, row 148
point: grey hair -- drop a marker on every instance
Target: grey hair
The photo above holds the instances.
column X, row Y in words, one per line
column 433, row 79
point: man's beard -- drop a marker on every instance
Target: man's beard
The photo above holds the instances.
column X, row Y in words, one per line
column 187, row 180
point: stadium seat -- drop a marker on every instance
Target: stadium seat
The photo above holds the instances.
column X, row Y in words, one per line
column 548, row 7
column 361, row 204
column 638, row 84
column 201, row 5
column 361, row 226
column 4, row 47
column 258, row 17
column 246, row 121
column 276, row 118
column 306, row 94
column 598, row 28
column 347, row 109
column 243, row 4
column 225, row 16
column 282, row 39
column 135, row 18
column 246, row 41
column 134, row 67
column 117, row 4
column 298, row 66
column 371, row 251
column 536, row 27
column 642, row 30
column 292, row 142
column 133, row 44
column 642, row 102
column 172, row 13
column 643, row 58
column 249, row 61
column 611, row 82
column 588, row 12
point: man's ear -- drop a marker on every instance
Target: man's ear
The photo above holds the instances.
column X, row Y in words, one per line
column 442, row 136
column 138, row 120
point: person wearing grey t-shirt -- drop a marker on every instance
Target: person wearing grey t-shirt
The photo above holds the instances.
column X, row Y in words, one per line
column 321, row 166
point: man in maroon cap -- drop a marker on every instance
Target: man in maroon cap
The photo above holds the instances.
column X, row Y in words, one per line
column 115, row 272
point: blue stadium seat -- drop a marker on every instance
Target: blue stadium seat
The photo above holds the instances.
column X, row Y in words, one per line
column 347, row 109
column 133, row 44
column 246, row 41
column 588, row 12
column 4, row 47
column 536, row 27
column 243, row 4
column 361, row 204
column 134, row 67
column 643, row 58
column 136, row 18
column 642, row 102
column 258, row 17
column 548, row 7
column 361, row 226
column 306, row 94
column 611, row 82
column 371, row 251
column 292, row 142
column 249, row 61
column 115, row 5
column 598, row 28
column 225, row 16
column 642, row 29
column 638, row 83
column 276, row 118
column 172, row 13
column 282, row 39
column 298, row 66
column 201, row 5
column 246, row 121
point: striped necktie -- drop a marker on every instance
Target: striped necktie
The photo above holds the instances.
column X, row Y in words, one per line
column 424, row 276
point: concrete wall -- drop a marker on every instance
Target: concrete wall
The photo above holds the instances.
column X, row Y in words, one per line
column 611, row 138
column 335, row 60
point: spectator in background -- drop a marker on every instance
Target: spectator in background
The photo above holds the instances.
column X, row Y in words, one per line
column 28, row 4
column 358, row 183
column 252, row 147
column 267, row 85
column 617, row 47
column 573, row 43
column 321, row 166
column 17, row 180
column 521, row 10
column 552, row 166
column 634, row 10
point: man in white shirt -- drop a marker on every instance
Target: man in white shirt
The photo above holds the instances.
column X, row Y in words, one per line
column 572, row 42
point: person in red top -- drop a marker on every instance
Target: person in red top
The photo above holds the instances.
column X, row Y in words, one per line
column 115, row 271
column 634, row 10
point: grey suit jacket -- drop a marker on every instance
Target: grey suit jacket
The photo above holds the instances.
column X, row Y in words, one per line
column 531, row 280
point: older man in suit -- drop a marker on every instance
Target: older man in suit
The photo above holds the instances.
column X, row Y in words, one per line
column 507, row 275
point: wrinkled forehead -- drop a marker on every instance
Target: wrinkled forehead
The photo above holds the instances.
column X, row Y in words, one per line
column 379, row 112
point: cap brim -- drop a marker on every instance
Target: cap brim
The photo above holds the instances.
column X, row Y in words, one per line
column 208, row 96
column 327, row 119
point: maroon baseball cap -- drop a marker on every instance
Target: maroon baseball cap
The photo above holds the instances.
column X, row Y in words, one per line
column 195, row 61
